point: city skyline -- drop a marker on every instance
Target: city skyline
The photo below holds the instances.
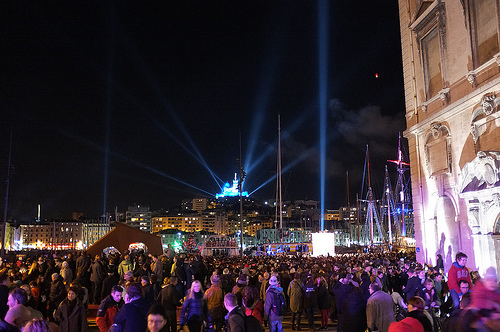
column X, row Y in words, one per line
column 116, row 105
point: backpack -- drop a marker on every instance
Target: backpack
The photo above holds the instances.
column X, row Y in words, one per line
column 279, row 304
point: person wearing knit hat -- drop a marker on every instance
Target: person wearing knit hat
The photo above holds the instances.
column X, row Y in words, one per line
column 271, row 306
column 239, row 288
column 486, row 294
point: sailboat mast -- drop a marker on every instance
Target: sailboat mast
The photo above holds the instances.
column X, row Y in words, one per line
column 348, row 209
column 357, row 217
column 370, row 195
column 387, row 192
column 401, row 180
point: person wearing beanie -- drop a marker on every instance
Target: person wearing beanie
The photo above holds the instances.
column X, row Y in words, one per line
column 239, row 288
column 56, row 295
column 486, row 294
column 272, row 298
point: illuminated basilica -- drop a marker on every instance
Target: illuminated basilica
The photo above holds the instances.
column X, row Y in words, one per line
column 451, row 67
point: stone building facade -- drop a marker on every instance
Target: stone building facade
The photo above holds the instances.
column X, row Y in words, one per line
column 451, row 67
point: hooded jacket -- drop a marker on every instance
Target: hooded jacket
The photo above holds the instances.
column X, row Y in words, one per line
column 456, row 274
column 271, row 296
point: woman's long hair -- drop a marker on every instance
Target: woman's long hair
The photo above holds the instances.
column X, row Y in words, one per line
column 251, row 296
column 191, row 291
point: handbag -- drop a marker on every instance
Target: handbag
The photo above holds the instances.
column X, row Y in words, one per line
column 115, row 328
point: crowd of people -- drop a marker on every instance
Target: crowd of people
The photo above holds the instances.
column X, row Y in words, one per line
column 138, row 292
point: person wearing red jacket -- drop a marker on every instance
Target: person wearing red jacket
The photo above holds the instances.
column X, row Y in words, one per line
column 108, row 309
column 458, row 272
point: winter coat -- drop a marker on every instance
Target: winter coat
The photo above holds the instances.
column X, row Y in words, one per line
column 311, row 296
column 74, row 321
column 354, row 310
column 106, row 313
column 379, row 311
column 57, row 291
column 67, row 275
column 214, row 297
column 413, row 286
column 124, row 267
column 6, row 327
column 263, row 288
column 97, row 274
column 272, row 297
column 169, row 298
column 194, row 306
column 82, row 266
column 107, row 285
column 296, row 295
column 148, row 293
column 323, row 298
column 132, row 316
column 409, row 324
column 157, row 269
column 484, row 298
column 341, row 292
column 256, row 310
column 235, row 321
column 424, row 319
column 4, row 296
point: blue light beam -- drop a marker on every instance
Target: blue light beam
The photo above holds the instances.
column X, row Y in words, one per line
column 323, row 9
column 160, row 94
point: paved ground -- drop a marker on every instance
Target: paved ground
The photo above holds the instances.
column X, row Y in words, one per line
column 286, row 324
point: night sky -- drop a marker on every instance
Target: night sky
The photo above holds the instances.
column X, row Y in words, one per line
column 121, row 103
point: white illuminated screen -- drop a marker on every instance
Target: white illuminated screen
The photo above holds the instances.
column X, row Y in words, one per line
column 323, row 244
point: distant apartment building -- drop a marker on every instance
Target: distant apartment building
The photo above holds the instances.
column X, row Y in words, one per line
column 56, row 235
column 254, row 224
column 192, row 223
column 139, row 216
column 167, row 222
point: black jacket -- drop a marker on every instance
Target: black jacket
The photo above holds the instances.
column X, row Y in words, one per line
column 413, row 285
column 169, row 298
column 132, row 316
